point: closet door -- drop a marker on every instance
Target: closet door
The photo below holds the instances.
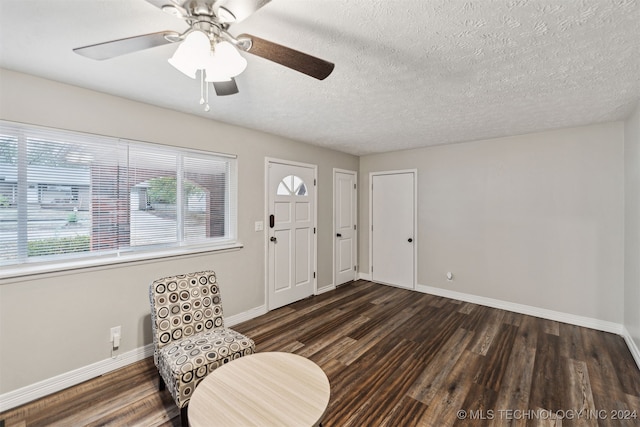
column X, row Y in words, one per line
column 393, row 212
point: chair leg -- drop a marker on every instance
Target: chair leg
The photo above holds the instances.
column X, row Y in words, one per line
column 184, row 421
column 161, row 384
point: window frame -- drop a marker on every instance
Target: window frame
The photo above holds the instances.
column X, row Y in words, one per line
column 89, row 259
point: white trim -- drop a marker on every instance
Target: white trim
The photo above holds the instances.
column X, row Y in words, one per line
column 267, row 226
column 355, row 233
column 267, row 161
column 364, row 276
column 633, row 348
column 414, row 172
column 27, row 271
column 59, row 382
column 244, row 316
column 324, row 289
column 573, row 319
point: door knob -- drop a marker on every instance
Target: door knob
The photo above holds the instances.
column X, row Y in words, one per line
column 273, row 239
column 338, row 235
column 410, row 240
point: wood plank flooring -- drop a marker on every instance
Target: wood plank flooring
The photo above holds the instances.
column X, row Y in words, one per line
column 401, row 358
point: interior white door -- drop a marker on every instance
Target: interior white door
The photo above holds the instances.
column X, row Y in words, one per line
column 291, row 232
column 345, row 198
column 392, row 231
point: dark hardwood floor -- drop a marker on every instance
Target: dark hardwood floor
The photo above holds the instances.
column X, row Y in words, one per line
column 401, row 358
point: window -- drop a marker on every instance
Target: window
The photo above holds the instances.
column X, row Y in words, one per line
column 65, row 195
column 292, row 185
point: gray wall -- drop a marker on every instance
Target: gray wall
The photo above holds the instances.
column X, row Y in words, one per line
column 535, row 219
column 54, row 324
column 632, row 226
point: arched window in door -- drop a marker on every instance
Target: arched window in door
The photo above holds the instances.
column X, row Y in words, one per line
column 292, row 185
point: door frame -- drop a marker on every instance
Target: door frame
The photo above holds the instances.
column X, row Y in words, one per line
column 267, row 162
column 355, row 234
column 415, row 219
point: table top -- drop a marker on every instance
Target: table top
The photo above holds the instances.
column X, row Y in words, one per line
column 261, row 389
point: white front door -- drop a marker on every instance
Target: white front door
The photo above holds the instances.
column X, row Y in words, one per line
column 291, row 231
column 393, row 228
column 345, row 199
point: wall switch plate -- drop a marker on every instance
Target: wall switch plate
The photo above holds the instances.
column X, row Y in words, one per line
column 116, row 333
column 259, row 226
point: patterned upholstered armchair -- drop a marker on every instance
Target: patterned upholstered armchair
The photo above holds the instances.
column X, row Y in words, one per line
column 189, row 336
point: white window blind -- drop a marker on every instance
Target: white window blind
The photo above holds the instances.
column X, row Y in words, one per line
column 65, row 195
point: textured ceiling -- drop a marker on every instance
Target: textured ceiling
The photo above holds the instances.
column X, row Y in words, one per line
column 409, row 73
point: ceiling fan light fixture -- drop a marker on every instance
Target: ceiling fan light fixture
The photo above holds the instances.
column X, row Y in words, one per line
column 225, row 63
column 192, row 54
column 184, row 66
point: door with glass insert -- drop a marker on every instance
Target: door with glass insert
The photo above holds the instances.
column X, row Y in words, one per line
column 291, row 232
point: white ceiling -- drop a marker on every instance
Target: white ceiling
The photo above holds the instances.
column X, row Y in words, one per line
column 409, row 73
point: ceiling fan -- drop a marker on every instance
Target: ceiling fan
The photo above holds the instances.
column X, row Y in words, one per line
column 208, row 47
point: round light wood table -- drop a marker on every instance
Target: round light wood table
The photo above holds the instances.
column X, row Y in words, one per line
column 262, row 389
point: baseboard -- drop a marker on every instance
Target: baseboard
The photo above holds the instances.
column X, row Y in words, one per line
column 633, row 348
column 324, row 289
column 364, row 276
column 60, row 382
column 587, row 322
column 244, row 316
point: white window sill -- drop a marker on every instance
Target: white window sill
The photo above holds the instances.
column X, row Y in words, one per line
column 27, row 271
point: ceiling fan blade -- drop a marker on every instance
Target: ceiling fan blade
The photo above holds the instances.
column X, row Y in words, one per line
column 119, row 47
column 239, row 9
column 226, row 88
column 298, row 61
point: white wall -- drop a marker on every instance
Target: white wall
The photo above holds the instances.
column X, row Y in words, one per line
column 535, row 219
column 632, row 227
column 51, row 325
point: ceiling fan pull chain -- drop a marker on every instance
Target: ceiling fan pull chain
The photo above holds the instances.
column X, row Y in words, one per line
column 206, row 107
column 201, row 87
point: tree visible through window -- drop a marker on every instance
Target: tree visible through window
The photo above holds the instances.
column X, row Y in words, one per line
column 65, row 194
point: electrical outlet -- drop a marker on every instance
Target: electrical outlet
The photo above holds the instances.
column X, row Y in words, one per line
column 116, row 334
